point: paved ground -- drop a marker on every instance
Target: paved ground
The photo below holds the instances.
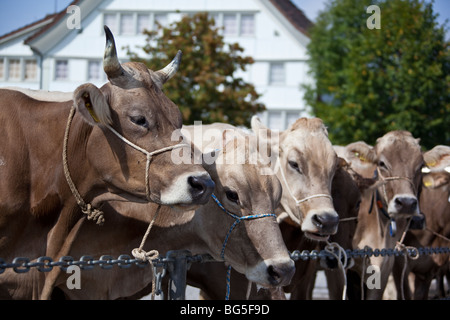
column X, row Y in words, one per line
column 320, row 291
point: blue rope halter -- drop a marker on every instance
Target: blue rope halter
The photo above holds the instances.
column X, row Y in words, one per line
column 238, row 220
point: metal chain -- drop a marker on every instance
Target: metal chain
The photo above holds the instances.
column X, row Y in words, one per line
column 46, row 264
column 368, row 252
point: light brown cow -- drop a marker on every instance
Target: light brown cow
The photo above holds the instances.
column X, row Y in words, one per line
column 254, row 247
column 308, row 165
column 115, row 141
column 398, row 160
column 435, row 205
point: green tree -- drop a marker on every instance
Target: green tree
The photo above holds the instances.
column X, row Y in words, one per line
column 207, row 86
column 371, row 81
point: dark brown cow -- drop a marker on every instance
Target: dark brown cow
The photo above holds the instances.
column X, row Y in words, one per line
column 116, row 149
column 435, row 205
column 398, row 160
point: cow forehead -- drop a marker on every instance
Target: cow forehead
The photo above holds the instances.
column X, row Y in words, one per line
column 397, row 143
column 313, row 144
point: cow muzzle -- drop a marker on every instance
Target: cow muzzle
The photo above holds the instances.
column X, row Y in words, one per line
column 403, row 204
column 272, row 272
column 320, row 224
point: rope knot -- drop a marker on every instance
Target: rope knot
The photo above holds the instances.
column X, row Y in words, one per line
column 410, row 252
column 93, row 214
column 143, row 255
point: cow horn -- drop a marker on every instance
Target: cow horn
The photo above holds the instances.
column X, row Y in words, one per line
column 111, row 64
column 169, row 71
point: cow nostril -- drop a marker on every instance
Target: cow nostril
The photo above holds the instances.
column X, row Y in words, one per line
column 274, row 275
column 200, row 186
column 326, row 222
column 317, row 221
column 196, row 184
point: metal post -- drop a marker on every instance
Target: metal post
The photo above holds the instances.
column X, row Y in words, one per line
column 177, row 268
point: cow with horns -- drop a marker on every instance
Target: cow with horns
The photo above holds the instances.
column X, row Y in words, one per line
column 61, row 161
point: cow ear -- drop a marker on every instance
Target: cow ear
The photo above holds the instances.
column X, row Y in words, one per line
column 342, row 163
column 264, row 135
column 438, row 158
column 92, row 105
column 435, row 180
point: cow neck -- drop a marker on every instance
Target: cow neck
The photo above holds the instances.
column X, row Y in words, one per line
column 87, row 208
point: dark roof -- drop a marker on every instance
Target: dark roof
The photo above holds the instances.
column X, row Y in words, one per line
column 58, row 16
column 47, row 17
column 294, row 15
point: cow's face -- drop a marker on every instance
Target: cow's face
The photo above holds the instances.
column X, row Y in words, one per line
column 399, row 162
column 133, row 105
column 307, row 165
column 254, row 247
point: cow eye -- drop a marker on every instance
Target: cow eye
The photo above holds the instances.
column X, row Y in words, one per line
column 294, row 165
column 232, row 196
column 140, row 121
column 382, row 165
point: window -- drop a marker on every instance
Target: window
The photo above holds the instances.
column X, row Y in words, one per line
column 14, row 69
column 143, row 22
column 230, row 24
column 126, row 24
column 95, row 70
column 110, row 19
column 161, row 19
column 61, row 70
column 291, row 117
column 30, row 70
column 247, row 25
column 276, row 120
column 277, row 73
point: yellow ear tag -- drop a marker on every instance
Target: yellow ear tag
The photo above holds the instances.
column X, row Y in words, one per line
column 431, row 164
column 91, row 111
column 428, row 183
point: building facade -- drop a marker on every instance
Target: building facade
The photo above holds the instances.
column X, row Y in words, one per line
column 56, row 54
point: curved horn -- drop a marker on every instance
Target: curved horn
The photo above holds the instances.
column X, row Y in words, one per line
column 111, row 64
column 169, row 71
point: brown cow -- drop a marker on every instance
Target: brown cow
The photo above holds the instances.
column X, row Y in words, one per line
column 114, row 140
column 308, row 164
column 398, row 160
column 254, row 247
column 435, row 205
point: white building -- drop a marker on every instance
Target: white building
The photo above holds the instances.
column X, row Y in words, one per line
column 50, row 54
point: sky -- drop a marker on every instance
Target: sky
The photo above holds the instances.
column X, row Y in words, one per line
column 18, row 13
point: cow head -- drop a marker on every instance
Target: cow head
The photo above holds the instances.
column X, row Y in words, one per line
column 253, row 246
column 307, row 165
column 129, row 114
column 398, row 160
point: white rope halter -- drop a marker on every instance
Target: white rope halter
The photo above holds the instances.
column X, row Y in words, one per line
column 91, row 212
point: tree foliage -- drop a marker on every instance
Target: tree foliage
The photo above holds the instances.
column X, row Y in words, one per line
column 371, row 81
column 207, row 86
